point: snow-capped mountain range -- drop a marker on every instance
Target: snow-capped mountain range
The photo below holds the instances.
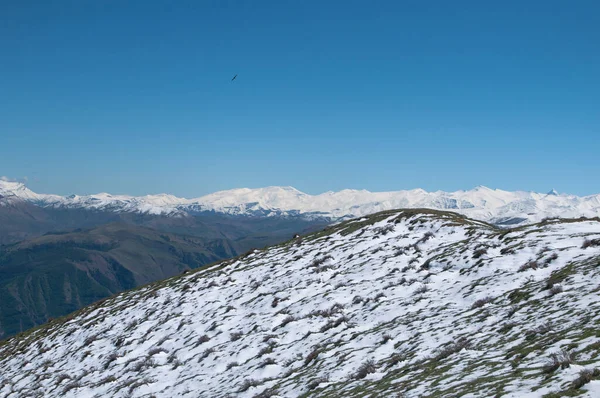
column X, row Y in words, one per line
column 493, row 205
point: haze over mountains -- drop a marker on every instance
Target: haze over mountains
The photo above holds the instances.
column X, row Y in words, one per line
column 492, row 205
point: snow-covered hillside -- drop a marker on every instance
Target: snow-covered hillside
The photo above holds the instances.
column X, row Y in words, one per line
column 496, row 206
column 401, row 303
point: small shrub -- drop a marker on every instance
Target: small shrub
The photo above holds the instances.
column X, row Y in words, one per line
column 106, row 380
column 286, row 320
column 213, row 326
column 275, row 302
column 452, row 348
column 394, row 360
column 139, row 383
column 507, row 327
column 334, row 310
column 426, row 237
column 531, row 264
column 235, row 336
column 162, row 340
column 541, row 329
column 481, row 302
column 110, row 359
column 334, row 324
column 71, row 386
column 511, row 311
column 62, row 377
column 312, row 356
column 267, row 393
column 412, row 261
column 385, row 338
column 340, row 285
column 254, row 284
column 550, row 258
column 232, row 365
column 562, row 359
column 268, row 361
column 283, row 311
column 590, row 243
column 156, row 350
column 421, row 289
column 206, row 353
column 555, row 290
column 315, row 383
column 247, row 384
column 516, row 296
column 182, row 323
column 323, row 268
column 479, row 252
column 384, row 230
column 265, row 350
column 201, row 340
column 585, row 376
column 143, row 364
column 90, row 339
column 176, row 363
column 400, row 251
column 269, row 337
column 379, row 296
column 130, row 326
column 545, row 328
column 172, row 358
column 507, row 250
column 317, row 262
column 365, row 369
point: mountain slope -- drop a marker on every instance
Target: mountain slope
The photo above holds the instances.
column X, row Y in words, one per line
column 21, row 220
column 493, row 205
column 59, row 273
column 402, row 303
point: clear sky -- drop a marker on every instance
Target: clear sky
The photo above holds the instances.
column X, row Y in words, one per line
column 136, row 97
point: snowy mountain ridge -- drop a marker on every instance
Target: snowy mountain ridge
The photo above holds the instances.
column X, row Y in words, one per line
column 493, row 205
column 407, row 303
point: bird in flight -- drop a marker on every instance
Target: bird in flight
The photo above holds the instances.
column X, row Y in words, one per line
column 234, row 78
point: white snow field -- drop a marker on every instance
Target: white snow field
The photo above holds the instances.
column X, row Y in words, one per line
column 406, row 303
column 493, row 205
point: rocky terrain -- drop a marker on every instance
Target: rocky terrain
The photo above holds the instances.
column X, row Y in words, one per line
column 414, row 303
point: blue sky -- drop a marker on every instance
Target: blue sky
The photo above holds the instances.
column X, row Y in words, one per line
column 135, row 96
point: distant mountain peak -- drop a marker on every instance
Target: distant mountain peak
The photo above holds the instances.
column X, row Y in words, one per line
column 481, row 202
column 17, row 189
